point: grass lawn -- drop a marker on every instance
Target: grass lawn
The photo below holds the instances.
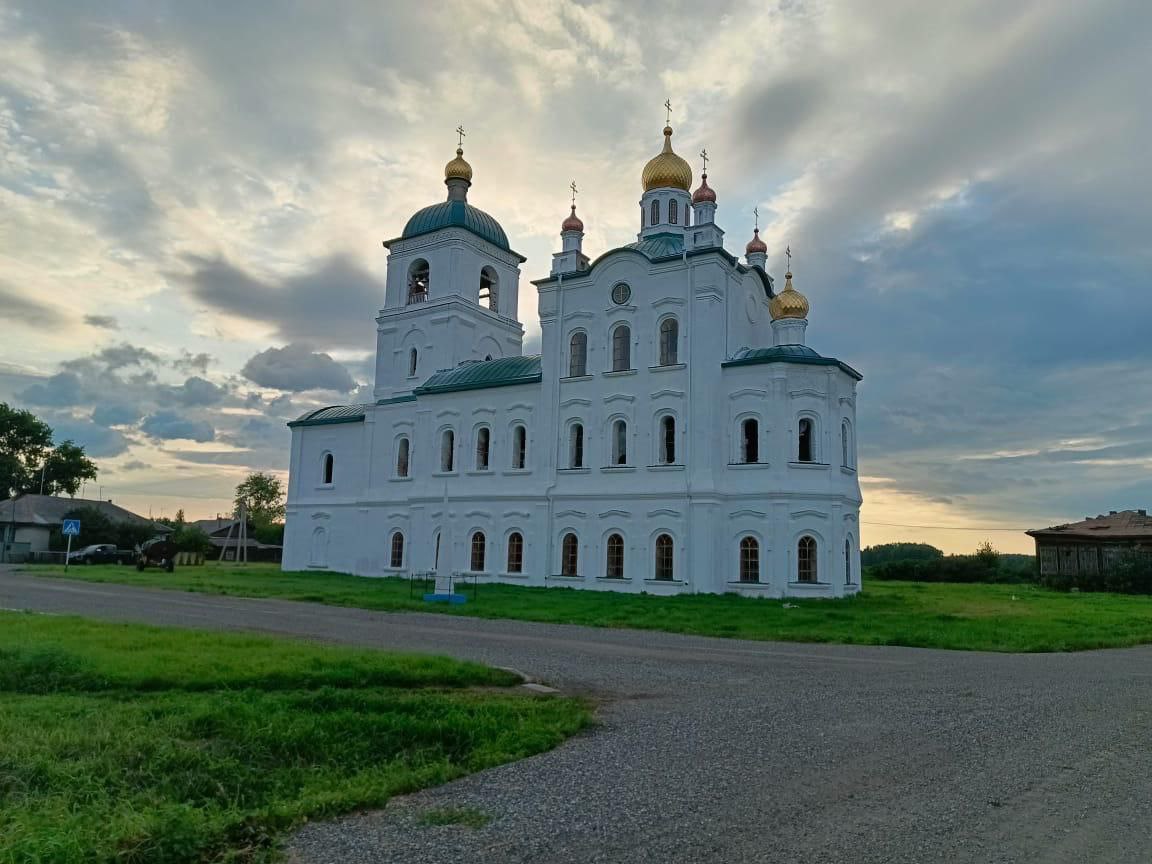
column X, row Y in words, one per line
column 962, row 616
column 124, row 743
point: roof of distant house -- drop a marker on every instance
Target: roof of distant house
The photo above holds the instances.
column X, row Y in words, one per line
column 49, row 510
column 1117, row 525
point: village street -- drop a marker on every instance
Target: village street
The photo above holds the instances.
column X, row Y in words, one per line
column 713, row 750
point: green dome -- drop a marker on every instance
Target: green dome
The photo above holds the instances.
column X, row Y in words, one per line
column 456, row 214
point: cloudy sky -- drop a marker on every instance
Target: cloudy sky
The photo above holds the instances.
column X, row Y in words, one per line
column 193, row 196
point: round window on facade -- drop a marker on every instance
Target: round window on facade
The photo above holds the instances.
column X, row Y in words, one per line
column 621, row 293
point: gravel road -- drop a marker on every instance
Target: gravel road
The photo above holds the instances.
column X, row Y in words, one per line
column 714, row 750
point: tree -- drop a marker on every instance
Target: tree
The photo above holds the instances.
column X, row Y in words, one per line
column 987, row 555
column 887, row 552
column 263, row 496
column 64, row 469
column 24, row 442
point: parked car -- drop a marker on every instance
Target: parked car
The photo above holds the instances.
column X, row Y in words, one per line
column 99, row 553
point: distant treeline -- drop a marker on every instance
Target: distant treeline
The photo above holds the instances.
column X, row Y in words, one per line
column 920, row 562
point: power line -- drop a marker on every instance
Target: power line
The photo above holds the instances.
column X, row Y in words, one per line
column 941, row 527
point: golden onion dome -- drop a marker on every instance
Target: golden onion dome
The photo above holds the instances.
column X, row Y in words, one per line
column 666, row 169
column 458, row 168
column 789, row 303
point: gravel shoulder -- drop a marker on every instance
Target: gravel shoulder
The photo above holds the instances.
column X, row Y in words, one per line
column 719, row 750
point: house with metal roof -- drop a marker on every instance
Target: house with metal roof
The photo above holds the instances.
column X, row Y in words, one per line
column 27, row 521
column 674, row 434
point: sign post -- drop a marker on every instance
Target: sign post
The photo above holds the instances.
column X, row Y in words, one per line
column 71, row 529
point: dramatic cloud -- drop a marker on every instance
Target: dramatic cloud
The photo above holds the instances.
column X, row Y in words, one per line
column 116, row 415
column 189, row 362
column 60, row 390
column 295, row 368
column 103, row 322
column 17, row 308
column 195, row 391
column 170, row 426
column 333, row 305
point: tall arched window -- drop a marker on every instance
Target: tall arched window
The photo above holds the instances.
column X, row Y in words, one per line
column 804, row 437
column 749, row 560
column 655, row 220
column 619, row 443
column 673, row 212
column 413, row 357
column 328, row 469
column 806, row 570
column 848, row 561
column 669, row 337
column 418, row 281
column 519, row 447
column 668, row 440
column 576, row 446
column 570, row 556
column 489, row 289
column 515, row 552
column 844, row 444
column 614, row 565
column 621, row 348
column 483, row 440
column 402, row 454
column 479, row 547
column 664, row 555
column 750, row 440
column 397, row 557
column 448, row 451
column 578, row 354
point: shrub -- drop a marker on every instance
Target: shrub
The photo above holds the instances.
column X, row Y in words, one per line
column 950, row 568
column 1129, row 574
column 888, row 552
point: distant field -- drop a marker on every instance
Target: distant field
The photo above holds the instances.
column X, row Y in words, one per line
column 968, row 617
column 132, row 744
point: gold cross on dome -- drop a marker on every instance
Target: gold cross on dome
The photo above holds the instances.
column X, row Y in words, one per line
column 756, row 213
column 574, row 191
column 460, row 132
column 704, row 156
column 788, row 255
column 668, row 108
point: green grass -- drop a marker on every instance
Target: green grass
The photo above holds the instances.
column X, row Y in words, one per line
column 469, row 817
column 975, row 617
column 123, row 743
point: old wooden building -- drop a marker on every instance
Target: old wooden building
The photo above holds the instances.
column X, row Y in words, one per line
column 1093, row 546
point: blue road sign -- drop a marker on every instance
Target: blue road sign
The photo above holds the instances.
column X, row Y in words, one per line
column 71, row 528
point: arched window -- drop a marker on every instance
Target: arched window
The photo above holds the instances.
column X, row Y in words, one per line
column 804, row 437
column 578, row 354
column 848, row 561
column 664, row 568
column 570, row 556
column 413, row 357
column 614, row 566
column 483, row 440
column 327, row 471
column 655, row 220
column 489, row 289
column 668, row 441
column 669, row 337
column 749, row 560
column 515, row 552
column 576, row 446
column 448, row 451
column 621, row 348
column 319, row 557
column 844, row 444
column 402, row 454
column 478, row 549
column 750, row 441
column 806, row 560
column 619, row 443
column 418, row 281
column 673, row 212
column 519, row 447
column 397, row 558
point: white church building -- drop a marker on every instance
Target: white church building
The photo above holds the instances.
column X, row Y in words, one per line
column 675, row 434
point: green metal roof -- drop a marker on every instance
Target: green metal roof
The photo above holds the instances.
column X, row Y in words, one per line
column 659, row 246
column 787, row 354
column 331, row 415
column 504, row 372
column 457, row 214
